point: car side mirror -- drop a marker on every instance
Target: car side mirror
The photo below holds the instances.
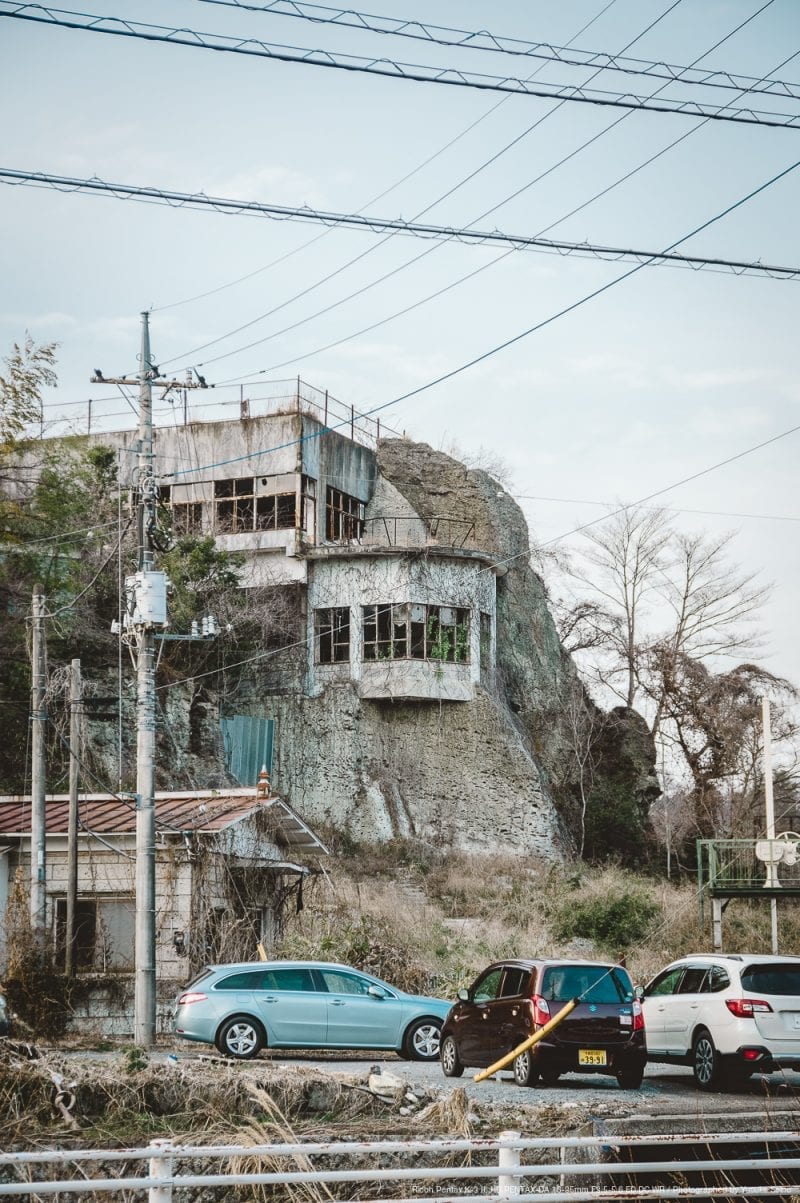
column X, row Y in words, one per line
column 376, row 992
column 463, row 995
column 639, row 992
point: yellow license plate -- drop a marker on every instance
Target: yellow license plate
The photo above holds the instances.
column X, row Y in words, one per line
column 591, row 1056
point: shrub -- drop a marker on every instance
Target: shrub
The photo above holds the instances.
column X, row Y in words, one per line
column 614, row 922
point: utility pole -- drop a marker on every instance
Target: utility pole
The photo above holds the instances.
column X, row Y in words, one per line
column 146, row 613
column 38, row 898
column 72, row 821
column 769, row 803
column 144, row 1021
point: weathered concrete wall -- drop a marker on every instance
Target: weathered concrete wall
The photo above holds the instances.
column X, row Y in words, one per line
column 455, row 774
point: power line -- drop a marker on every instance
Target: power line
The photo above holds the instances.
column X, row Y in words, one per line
column 476, row 271
column 395, row 225
column 457, row 371
column 547, row 52
column 386, row 68
column 421, row 213
column 669, row 509
column 471, row 175
column 373, row 200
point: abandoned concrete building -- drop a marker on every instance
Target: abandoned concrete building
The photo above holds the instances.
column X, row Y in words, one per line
column 419, row 689
column 428, row 695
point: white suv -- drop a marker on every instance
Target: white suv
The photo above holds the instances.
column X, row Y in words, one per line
column 727, row 1016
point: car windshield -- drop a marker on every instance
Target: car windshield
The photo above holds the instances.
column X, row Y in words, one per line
column 772, row 979
column 590, row 983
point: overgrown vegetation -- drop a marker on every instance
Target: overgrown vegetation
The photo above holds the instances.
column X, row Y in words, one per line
column 430, row 921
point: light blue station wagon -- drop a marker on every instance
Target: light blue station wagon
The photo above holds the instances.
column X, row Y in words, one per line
column 242, row 1008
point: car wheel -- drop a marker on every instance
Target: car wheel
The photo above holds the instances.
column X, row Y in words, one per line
column 549, row 1075
column 241, row 1037
column 421, row 1041
column 449, row 1058
column 525, row 1070
column 630, row 1078
column 705, row 1063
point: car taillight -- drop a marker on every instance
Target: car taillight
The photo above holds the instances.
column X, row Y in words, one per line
column 191, row 997
column 746, row 1008
column 541, row 1011
column 638, row 1016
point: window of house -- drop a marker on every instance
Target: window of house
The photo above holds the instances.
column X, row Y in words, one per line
column 234, row 504
column 417, row 632
column 332, row 635
column 344, row 516
column 276, row 512
column 104, row 933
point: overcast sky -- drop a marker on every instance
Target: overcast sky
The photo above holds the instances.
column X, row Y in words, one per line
column 658, row 378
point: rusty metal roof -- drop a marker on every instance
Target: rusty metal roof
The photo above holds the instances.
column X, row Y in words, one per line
column 197, row 810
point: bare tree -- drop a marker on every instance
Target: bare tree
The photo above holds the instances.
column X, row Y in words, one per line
column 581, row 718
column 714, row 610
column 626, row 558
column 715, row 721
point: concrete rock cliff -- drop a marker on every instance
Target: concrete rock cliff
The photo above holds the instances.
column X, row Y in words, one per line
column 495, row 773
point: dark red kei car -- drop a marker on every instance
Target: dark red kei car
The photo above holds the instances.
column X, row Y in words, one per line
column 513, row 999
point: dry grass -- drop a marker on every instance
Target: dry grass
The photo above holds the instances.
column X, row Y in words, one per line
column 431, row 923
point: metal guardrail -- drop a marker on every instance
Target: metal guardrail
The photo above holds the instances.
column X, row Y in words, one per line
column 507, row 1177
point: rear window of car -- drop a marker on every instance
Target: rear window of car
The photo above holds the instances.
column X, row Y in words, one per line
column 771, row 979
column 591, row 983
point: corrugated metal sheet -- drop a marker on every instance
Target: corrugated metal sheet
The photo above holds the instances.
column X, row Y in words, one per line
column 182, row 812
column 248, row 746
column 201, row 811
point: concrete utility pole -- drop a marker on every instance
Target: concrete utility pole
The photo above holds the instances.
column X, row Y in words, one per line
column 145, row 949
column 38, row 899
column 72, row 822
column 769, row 804
column 146, row 613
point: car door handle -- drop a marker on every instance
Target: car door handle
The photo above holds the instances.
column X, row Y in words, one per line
column 269, row 998
column 338, row 1002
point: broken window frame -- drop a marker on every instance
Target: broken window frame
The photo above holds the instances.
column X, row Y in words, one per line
column 344, row 516
column 234, row 505
column 415, row 631
column 332, row 635
column 276, row 511
column 187, row 518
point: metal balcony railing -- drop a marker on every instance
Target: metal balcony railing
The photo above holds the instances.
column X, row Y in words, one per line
column 402, row 530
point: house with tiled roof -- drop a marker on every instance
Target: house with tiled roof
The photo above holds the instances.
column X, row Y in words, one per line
column 229, row 863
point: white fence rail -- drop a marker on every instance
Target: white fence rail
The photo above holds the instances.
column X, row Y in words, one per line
column 574, row 1169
